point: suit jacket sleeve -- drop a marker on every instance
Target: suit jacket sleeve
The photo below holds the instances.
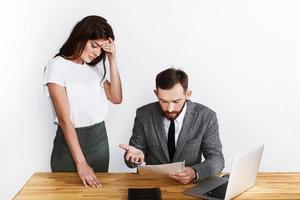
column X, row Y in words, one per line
column 138, row 138
column 211, row 148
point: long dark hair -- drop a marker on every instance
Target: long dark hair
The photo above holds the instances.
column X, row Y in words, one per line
column 89, row 28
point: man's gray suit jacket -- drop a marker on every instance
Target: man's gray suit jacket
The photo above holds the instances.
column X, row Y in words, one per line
column 198, row 136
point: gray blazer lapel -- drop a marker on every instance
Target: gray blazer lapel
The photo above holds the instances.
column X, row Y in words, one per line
column 188, row 121
column 160, row 129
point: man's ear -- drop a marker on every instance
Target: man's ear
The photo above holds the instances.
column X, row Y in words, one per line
column 188, row 94
column 155, row 92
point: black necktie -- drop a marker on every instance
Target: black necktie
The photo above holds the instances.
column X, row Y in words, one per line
column 171, row 140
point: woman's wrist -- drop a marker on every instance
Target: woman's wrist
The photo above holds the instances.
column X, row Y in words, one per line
column 112, row 61
column 80, row 162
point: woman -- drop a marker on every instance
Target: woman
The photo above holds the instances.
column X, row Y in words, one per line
column 79, row 93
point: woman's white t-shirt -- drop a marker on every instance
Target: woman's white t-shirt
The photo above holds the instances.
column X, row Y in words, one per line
column 86, row 96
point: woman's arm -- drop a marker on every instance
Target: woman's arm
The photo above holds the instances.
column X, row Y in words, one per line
column 113, row 89
column 61, row 105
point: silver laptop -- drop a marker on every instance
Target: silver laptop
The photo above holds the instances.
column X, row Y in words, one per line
column 242, row 177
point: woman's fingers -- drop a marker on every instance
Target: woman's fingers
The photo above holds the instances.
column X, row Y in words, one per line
column 109, row 47
column 83, row 181
column 93, row 181
column 96, row 180
column 90, row 181
column 87, row 176
column 98, row 183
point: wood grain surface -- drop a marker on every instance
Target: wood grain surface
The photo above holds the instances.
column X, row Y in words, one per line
column 56, row 186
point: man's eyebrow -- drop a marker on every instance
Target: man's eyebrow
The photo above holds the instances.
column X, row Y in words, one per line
column 169, row 101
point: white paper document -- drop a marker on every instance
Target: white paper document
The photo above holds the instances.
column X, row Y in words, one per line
column 165, row 169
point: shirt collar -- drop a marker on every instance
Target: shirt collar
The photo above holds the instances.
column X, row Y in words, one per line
column 182, row 114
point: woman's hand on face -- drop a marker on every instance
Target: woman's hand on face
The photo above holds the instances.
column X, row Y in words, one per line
column 110, row 49
column 87, row 175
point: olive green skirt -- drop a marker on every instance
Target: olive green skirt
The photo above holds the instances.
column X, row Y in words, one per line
column 94, row 145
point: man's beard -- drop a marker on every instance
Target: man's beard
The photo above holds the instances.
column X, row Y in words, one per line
column 177, row 113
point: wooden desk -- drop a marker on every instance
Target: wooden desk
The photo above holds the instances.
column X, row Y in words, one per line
column 55, row 186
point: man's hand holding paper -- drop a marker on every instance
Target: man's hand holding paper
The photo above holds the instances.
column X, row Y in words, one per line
column 187, row 175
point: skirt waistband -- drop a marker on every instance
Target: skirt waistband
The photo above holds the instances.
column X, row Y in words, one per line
column 100, row 124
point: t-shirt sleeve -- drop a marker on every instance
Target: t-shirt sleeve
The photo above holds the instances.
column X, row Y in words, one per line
column 52, row 74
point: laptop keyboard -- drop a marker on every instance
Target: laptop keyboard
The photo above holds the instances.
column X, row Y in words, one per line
column 219, row 192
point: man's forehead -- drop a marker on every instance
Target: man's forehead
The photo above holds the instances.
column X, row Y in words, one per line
column 170, row 95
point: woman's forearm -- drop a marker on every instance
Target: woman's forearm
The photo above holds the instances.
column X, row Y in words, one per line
column 72, row 141
column 115, row 83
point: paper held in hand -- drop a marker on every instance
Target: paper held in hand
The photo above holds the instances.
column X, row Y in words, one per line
column 164, row 169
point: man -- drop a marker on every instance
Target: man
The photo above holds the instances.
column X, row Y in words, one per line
column 175, row 129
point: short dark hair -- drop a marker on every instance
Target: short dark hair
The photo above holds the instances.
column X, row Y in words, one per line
column 170, row 77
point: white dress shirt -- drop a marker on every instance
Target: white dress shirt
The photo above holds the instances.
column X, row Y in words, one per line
column 178, row 124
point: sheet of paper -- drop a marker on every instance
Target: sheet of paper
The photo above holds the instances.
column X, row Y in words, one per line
column 165, row 169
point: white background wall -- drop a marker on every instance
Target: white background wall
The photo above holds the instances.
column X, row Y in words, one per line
column 242, row 58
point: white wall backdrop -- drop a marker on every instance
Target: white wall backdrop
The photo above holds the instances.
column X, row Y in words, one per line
column 242, row 58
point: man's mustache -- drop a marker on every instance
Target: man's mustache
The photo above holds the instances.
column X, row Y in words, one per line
column 170, row 113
